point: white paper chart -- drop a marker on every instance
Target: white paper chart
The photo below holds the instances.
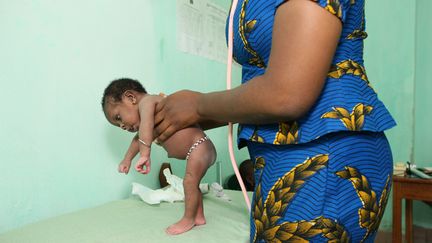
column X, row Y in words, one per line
column 201, row 29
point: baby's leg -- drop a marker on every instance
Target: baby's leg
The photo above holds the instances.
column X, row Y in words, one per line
column 199, row 218
column 199, row 161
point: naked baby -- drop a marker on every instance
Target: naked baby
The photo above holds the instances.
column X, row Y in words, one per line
column 127, row 105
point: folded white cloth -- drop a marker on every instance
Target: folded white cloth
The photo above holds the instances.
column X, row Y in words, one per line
column 167, row 194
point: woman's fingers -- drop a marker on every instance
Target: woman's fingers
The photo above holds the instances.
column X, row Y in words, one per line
column 160, row 128
column 175, row 112
column 159, row 112
column 165, row 134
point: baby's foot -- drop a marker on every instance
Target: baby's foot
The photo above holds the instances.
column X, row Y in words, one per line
column 181, row 226
column 200, row 220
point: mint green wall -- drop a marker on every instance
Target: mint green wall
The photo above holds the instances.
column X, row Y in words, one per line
column 423, row 85
column 389, row 62
column 58, row 154
column 423, row 101
column 398, row 58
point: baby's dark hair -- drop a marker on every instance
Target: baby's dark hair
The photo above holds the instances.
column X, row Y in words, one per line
column 117, row 87
column 246, row 170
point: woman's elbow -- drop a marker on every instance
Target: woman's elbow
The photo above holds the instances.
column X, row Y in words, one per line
column 293, row 108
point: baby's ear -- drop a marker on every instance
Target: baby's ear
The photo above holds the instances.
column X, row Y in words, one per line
column 129, row 95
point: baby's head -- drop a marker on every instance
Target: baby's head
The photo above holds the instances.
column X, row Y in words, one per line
column 246, row 170
column 120, row 103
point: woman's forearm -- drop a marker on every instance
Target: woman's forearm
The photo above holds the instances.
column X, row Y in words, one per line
column 210, row 124
column 257, row 102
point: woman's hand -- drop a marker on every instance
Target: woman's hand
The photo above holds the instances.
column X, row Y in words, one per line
column 175, row 112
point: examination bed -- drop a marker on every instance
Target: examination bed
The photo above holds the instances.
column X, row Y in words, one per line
column 132, row 220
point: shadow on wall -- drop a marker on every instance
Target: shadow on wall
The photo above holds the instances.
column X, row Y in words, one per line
column 117, row 141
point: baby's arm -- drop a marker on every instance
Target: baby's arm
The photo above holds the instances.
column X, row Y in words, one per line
column 146, row 109
column 130, row 154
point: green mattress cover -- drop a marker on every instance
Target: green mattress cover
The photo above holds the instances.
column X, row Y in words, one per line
column 132, row 220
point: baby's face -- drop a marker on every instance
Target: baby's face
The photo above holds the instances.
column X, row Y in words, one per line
column 123, row 114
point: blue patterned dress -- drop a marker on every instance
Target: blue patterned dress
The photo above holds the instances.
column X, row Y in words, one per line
column 327, row 176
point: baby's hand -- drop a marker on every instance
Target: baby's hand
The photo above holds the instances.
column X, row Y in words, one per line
column 124, row 166
column 141, row 163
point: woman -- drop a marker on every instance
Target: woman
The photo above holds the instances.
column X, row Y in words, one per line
column 311, row 121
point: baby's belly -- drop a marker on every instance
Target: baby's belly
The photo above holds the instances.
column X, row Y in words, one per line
column 179, row 144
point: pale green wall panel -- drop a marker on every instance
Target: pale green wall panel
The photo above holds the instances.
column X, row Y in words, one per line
column 58, row 152
column 60, row 155
column 423, row 85
column 423, row 101
column 389, row 62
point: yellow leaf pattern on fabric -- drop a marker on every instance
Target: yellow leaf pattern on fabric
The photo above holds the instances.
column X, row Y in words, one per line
column 370, row 214
column 334, row 7
column 255, row 137
column 353, row 121
column 250, row 25
column 288, row 133
column 259, row 163
column 267, row 214
column 256, row 60
column 348, row 67
column 357, row 34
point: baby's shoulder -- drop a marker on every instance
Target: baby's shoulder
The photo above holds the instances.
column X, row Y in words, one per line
column 152, row 97
column 149, row 99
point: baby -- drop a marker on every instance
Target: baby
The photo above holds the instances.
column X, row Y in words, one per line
column 127, row 105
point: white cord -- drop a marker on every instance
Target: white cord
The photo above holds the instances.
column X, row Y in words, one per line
column 230, row 125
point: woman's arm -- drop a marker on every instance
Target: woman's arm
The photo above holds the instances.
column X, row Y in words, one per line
column 209, row 124
column 305, row 38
